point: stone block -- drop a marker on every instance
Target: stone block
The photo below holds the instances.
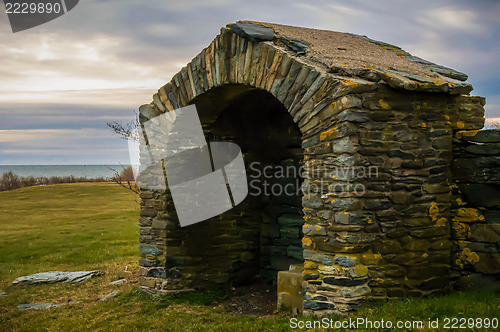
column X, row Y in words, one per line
column 481, row 136
column 291, row 220
column 295, row 252
column 492, row 216
column 346, row 261
column 489, row 263
column 148, row 212
column 313, row 230
column 290, row 290
column 318, row 257
column 478, row 282
column 290, row 232
column 149, row 250
column 318, row 305
column 485, row 233
column 342, row 281
column 481, row 195
column 312, row 201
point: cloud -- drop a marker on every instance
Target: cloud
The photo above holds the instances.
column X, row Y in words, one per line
column 66, row 146
column 446, row 18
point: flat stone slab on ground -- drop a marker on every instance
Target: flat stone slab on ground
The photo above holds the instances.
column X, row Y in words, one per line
column 118, row 282
column 39, row 306
column 43, row 306
column 56, row 276
column 112, row 294
column 3, row 294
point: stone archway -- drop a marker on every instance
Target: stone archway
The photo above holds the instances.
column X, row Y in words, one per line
column 376, row 137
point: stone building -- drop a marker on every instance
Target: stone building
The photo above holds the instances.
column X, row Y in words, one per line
column 381, row 154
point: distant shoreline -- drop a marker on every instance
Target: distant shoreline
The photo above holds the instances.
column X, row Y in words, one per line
column 80, row 171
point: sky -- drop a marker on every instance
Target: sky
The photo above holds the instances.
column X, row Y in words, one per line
column 62, row 81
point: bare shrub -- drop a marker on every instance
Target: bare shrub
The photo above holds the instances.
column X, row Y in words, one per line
column 9, row 181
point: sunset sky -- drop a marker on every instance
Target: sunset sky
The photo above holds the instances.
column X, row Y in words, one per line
column 61, row 81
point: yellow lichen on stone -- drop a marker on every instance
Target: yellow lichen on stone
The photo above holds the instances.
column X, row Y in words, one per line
column 433, row 211
column 350, row 83
column 467, row 257
column 461, row 230
column 310, row 265
column 360, row 270
column 460, row 125
column 325, row 134
column 307, row 272
column 441, row 222
column 383, row 104
column 467, row 215
column 460, row 202
column 306, row 241
column 466, row 133
column 424, row 125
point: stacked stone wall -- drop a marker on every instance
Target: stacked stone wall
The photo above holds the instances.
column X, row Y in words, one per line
column 475, row 228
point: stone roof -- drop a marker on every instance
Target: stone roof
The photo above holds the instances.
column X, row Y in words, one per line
column 358, row 56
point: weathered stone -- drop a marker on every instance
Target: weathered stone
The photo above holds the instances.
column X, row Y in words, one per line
column 477, row 282
column 296, row 45
column 353, row 115
column 295, row 252
column 489, row 263
column 312, row 201
column 317, row 305
column 252, row 32
column 346, row 261
column 290, row 232
column 317, row 257
column 340, row 281
column 109, row 295
column 291, row 220
column 485, row 233
column 39, row 306
column 481, row 195
column 290, row 290
column 164, row 273
column 492, row 216
column 149, row 250
column 313, row 230
column 481, row 136
column 55, row 276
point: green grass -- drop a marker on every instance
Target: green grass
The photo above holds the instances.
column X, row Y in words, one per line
column 72, row 227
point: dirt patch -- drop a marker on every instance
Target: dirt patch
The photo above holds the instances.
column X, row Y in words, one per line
column 257, row 298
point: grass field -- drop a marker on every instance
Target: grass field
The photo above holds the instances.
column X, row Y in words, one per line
column 72, row 227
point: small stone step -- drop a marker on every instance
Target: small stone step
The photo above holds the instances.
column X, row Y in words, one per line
column 290, row 290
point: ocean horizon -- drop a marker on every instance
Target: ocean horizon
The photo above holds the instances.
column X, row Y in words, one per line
column 88, row 171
